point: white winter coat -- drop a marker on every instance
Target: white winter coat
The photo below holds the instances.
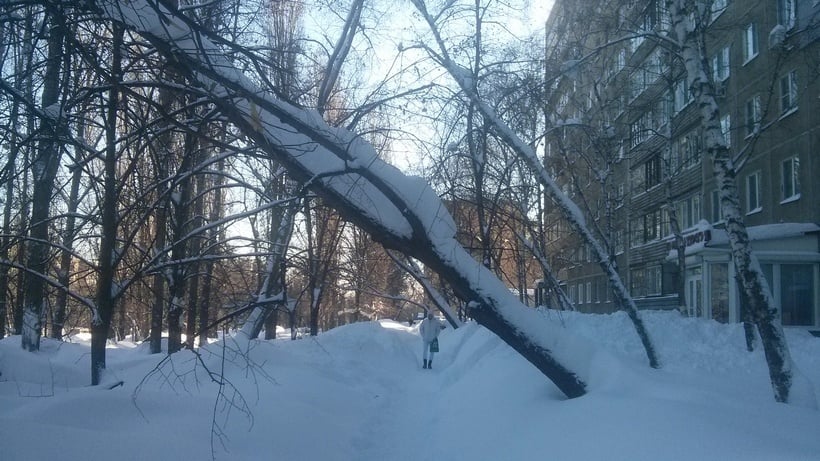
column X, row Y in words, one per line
column 429, row 329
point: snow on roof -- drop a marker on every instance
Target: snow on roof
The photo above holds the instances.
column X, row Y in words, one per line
column 767, row 232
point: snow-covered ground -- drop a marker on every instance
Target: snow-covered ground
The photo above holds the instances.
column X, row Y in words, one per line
column 359, row 393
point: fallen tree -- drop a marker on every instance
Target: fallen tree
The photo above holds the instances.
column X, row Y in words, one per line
column 402, row 213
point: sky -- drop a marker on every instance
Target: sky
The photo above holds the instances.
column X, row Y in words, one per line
column 358, row 392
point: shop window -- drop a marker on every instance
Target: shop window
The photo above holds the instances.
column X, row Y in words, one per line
column 719, row 294
column 792, row 286
column 797, row 294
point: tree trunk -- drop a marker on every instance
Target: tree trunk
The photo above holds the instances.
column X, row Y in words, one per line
column 216, row 212
column 308, row 148
column 69, row 233
column 5, row 239
column 159, row 279
column 756, row 290
column 467, row 82
column 44, row 168
column 196, row 249
column 106, row 295
column 273, row 286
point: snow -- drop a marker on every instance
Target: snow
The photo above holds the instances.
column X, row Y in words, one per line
column 768, row 232
column 358, row 392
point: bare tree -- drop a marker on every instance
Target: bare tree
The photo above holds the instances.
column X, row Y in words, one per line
column 44, row 167
column 468, row 82
column 348, row 175
column 688, row 27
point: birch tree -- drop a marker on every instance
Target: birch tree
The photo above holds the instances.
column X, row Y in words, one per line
column 688, row 29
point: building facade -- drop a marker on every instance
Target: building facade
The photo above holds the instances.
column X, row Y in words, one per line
column 626, row 143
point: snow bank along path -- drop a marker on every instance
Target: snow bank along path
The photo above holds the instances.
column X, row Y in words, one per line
column 358, row 393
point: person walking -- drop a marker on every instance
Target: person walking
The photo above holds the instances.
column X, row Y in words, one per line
column 429, row 330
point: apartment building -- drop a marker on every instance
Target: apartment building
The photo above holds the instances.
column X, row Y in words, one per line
column 626, row 144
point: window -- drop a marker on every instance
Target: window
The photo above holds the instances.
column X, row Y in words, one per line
column 792, row 285
column 652, row 226
column 717, row 215
column 636, row 178
column 645, row 228
column 646, row 281
column 654, row 280
column 685, row 152
column 618, row 241
column 796, row 294
column 637, row 287
column 637, row 131
column 688, row 211
column 719, row 291
column 749, row 42
column 790, row 185
column 652, row 170
column 682, row 95
column 788, row 92
column 720, row 65
column 726, row 129
column 620, row 60
column 636, row 232
column 653, row 67
column 786, row 13
column 718, row 7
column 694, row 209
column 752, row 115
column 753, row 204
column 589, row 292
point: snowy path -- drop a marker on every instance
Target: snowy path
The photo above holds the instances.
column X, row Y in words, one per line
column 359, row 393
column 404, row 399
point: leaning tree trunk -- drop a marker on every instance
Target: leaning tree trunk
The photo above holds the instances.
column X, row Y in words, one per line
column 346, row 172
column 272, row 291
column 466, row 81
column 761, row 308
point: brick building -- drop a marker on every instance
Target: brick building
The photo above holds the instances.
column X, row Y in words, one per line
column 626, row 144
